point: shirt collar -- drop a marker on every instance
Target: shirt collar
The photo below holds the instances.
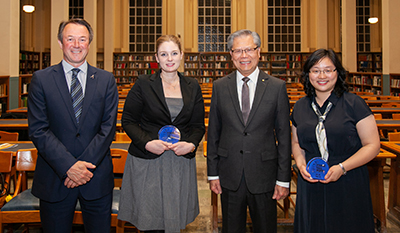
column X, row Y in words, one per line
column 253, row 76
column 68, row 67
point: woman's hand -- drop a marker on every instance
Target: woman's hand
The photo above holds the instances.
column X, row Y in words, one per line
column 157, row 146
column 304, row 173
column 334, row 173
column 182, row 148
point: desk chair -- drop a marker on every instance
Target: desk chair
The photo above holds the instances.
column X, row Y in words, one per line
column 396, row 116
column 394, row 136
column 6, row 136
column 122, row 137
column 24, row 207
column 5, row 170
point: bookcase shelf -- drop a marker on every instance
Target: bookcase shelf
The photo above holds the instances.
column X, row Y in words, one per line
column 4, row 90
column 45, row 60
column 29, row 62
column 394, row 84
column 128, row 66
column 24, row 81
column 365, row 82
column 369, row 62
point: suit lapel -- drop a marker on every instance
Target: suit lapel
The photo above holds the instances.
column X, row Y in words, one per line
column 233, row 91
column 258, row 95
column 91, row 86
column 61, row 83
column 156, row 85
column 187, row 91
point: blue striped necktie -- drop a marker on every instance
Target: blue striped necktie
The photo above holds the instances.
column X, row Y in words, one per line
column 76, row 94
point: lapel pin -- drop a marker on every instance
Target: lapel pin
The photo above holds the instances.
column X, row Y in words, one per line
column 263, row 80
column 92, row 77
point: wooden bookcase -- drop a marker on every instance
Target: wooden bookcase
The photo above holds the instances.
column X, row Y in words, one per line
column 369, row 62
column 365, row 82
column 395, row 84
column 128, row 66
column 286, row 66
column 29, row 62
column 206, row 67
column 24, row 81
column 100, row 60
column 4, row 92
column 45, row 60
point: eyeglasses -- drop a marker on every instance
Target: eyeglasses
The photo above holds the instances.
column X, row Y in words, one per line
column 317, row 72
column 238, row 52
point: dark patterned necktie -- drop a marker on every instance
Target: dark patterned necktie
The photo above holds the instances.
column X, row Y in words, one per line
column 76, row 94
column 245, row 99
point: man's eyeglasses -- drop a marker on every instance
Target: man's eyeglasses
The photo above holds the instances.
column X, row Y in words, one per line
column 238, row 52
column 327, row 72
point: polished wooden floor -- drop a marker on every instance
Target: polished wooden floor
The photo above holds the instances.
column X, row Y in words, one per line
column 203, row 221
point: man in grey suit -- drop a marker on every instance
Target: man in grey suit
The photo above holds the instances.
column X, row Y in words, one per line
column 248, row 148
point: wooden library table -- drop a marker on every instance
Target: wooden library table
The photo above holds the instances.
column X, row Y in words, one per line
column 378, row 103
column 23, row 110
column 375, row 169
column 22, row 124
column 394, row 182
column 388, row 124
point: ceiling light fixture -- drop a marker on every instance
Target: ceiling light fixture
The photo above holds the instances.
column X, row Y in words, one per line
column 28, row 8
column 373, row 20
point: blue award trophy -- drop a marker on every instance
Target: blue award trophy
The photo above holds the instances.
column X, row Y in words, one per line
column 317, row 167
column 169, row 133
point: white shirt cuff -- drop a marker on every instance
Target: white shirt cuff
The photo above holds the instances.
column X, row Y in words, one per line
column 213, row 177
column 283, row 184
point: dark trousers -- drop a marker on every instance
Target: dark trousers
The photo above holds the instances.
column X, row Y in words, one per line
column 58, row 216
column 262, row 210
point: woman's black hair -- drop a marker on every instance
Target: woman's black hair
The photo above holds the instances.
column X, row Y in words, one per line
column 340, row 86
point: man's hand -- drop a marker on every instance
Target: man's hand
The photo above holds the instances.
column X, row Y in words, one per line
column 215, row 186
column 79, row 174
column 280, row 192
column 70, row 184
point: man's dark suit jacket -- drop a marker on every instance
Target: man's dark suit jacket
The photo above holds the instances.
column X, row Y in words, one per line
column 61, row 142
column 146, row 112
column 261, row 149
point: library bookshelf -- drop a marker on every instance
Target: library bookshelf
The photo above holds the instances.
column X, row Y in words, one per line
column 365, row 82
column 128, row 66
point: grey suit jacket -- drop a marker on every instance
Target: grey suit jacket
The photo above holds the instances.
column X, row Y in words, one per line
column 262, row 148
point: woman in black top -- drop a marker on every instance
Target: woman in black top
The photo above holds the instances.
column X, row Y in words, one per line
column 341, row 202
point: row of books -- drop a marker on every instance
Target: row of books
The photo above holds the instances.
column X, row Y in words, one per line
column 365, row 80
column 3, row 90
column 133, row 58
column 29, row 57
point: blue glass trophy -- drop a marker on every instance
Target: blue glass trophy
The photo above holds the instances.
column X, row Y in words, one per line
column 317, row 167
column 169, row 133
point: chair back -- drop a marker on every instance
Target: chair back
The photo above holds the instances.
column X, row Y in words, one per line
column 6, row 136
column 118, row 159
column 122, row 137
column 394, row 136
column 378, row 116
column 396, row 116
column 26, row 160
column 5, row 168
column 6, row 161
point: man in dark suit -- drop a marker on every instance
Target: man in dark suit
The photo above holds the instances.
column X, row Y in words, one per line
column 248, row 148
column 72, row 120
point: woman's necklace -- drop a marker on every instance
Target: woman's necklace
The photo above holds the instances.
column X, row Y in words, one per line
column 171, row 83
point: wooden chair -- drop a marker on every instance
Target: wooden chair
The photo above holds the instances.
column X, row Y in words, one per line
column 119, row 137
column 6, row 136
column 24, row 207
column 378, row 116
column 394, row 136
column 396, row 116
column 6, row 158
column 369, row 97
